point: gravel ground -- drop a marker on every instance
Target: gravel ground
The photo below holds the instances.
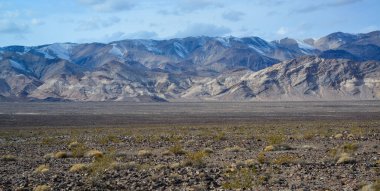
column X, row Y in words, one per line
column 337, row 153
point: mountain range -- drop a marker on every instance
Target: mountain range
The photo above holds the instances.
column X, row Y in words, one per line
column 339, row 66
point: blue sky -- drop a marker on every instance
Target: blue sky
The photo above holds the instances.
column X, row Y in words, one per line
column 35, row 22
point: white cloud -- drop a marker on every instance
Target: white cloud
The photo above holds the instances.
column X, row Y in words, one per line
column 109, row 5
column 370, row 28
column 233, row 15
column 97, row 23
column 142, row 35
column 7, row 26
column 282, row 31
column 323, row 5
column 117, row 36
column 37, row 22
column 194, row 5
column 202, row 29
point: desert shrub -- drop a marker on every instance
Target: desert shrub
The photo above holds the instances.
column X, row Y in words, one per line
column 94, row 153
column 104, row 140
column 261, row 158
column 280, row 147
column 8, row 158
column 244, row 178
column 208, row 150
column 342, row 154
column 195, row 159
column 159, row 167
column 74, row 144
column 78, row 167
column 144, row 153
column 41, row 169
column 338, row 136
column 350, row 147
column 78, row 149
column 101, row 165
column 166, row 153
column 42, row 188
column 284, row 159
column 275, row 139
column 174, row 138
column 220, row 136
column 345, row 158
column 249, row 162
column 174, row 165
column 61, row 154
column 235, row 149
column 177, row 150
column 48, row 141
column 308, row 135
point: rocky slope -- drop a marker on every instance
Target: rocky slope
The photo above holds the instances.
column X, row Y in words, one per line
column 194, row 68
column 305, row 78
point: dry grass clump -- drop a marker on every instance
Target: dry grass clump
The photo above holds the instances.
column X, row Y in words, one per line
column 220, row 136
column 284, row 159
column 338, row 136
column 350, row 147
column 61, row 154
column 208, row 150
column 174, row 165
column 159, row 167
column 249, row 162
column 101, row 165
column 308, row 135
column 94, row 153
column 269, row 148
column 74, row 144
column 144, row 153
column 196, row 159
column 242, row 179
column 8, row 158
column 261, row 158
column 235, row 149
column 166, row 153
column 281, row 147
column 275, row 139
column 372, row 187
column 79, row 150
column 78, row 167
column 49, row 156
column 48, row 141
column 343, row 154
column 345, row 158
column 42, row 169
column 109, row 139
column 42, row 188
column 177, row 150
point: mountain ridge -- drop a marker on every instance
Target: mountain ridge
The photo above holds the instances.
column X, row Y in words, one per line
column 190, row 69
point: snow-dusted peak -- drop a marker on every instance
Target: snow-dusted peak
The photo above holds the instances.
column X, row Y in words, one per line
column 57, row 50
column 116, row 51
column 303, row 45
column 180, row 50
column 17, row 65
